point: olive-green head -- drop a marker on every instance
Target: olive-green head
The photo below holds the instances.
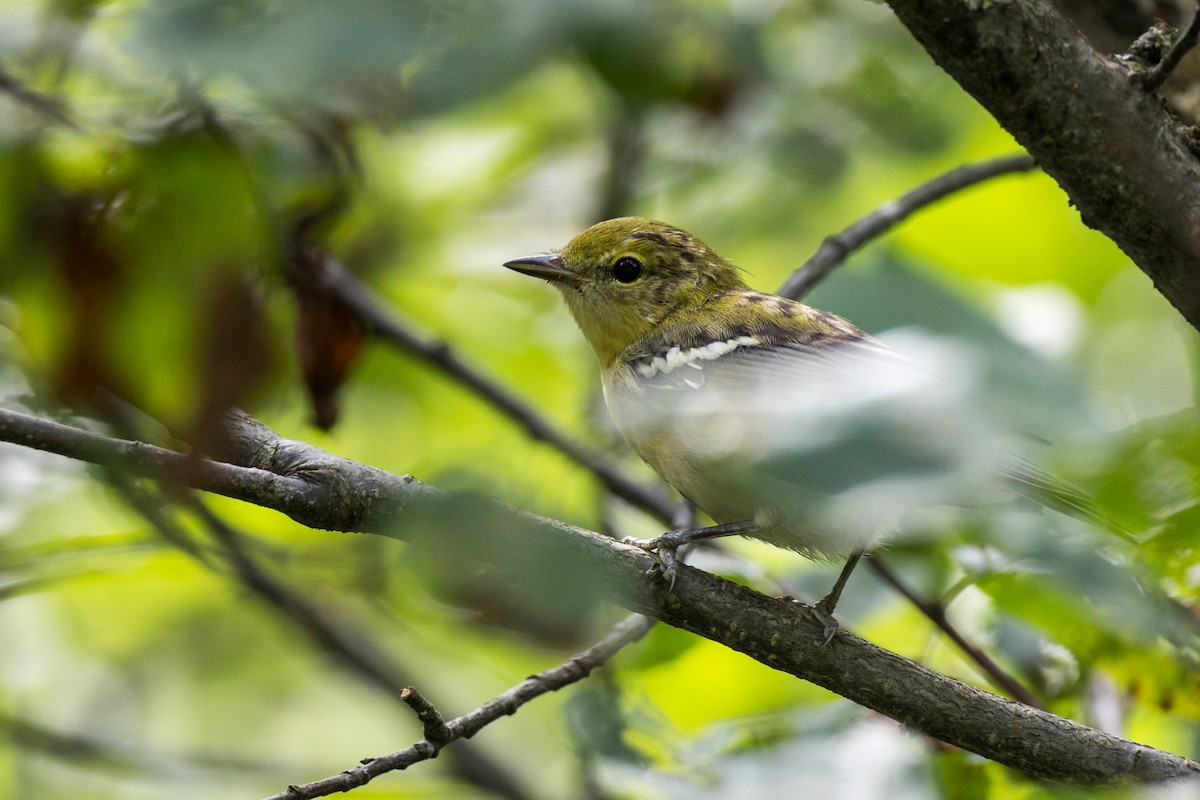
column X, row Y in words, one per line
column 625, row 277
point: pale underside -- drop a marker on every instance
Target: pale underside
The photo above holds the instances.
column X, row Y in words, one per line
column 829, row 447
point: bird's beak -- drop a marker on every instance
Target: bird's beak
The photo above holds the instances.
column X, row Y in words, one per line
column 548, row 267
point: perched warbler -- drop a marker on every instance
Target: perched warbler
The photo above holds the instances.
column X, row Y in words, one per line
column 737, row 398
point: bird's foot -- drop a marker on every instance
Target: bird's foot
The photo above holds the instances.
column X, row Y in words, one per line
column 823, row 614
column 665, row 547
column 823, row 611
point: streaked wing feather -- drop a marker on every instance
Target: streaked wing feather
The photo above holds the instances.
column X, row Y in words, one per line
column 785, row 365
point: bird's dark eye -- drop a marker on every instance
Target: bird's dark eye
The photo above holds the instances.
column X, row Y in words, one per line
column 627, row 269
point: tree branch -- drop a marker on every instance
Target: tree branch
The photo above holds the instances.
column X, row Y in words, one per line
column 439, row 733
column 935, row 612
column 46, row 106
column 1123, row 160
column 1157, row 76
column 312, row 487
column 780, row 634
column 835, row 249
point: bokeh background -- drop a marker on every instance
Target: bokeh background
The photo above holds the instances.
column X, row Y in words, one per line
column 167, row 170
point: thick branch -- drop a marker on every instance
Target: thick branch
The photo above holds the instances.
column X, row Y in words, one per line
column 780, row 634
column 1123, row 160
column 312, row 487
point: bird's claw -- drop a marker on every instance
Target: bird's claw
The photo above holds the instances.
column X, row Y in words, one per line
column 829, row 625
column 823, row 614
column 663, row 551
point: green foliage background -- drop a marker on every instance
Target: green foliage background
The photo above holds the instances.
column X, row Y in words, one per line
column 423, row 144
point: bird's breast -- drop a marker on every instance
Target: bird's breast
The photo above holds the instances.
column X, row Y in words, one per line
column 693, row 436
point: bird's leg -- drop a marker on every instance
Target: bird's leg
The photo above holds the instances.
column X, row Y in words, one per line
column 664, row 546
column 825, row 606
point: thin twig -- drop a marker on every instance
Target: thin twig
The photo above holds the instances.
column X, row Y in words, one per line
column 575, row 669
column 432, row 725
column 936, row 613
column 1157, row 75
column 626, row 152
column 46, row 106
column 837, row 247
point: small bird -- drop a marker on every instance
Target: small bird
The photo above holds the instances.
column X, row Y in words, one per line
column 780, row 421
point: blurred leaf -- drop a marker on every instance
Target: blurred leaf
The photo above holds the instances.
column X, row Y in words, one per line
column 234, row 361
column 962, row 776
column 1017, row 389
column 877, row 95
column 500, row 564
column 596, row 720
column 92, row 276
column 342, row 57
column 1095, row 596
column 329, row 339
column 809, row 155
column 1050, row 669
column 662, row 644
column 816, row 758
column 654, row 52
column 481, row 45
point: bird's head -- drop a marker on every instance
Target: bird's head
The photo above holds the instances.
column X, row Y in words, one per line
column 624, row 277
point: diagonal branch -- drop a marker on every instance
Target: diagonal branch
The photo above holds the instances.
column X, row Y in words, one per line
column 782, row 635
column 311, row 486
column 49, row 107
column 836, row 248
column 440, row 733
column 936, row 613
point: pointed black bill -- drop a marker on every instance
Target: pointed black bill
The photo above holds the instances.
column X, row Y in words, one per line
column 548, row 267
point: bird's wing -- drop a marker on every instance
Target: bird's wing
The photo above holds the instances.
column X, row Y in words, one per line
column 863, row 438
column 775, row 415
column 770, row 341
column 776, row 374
